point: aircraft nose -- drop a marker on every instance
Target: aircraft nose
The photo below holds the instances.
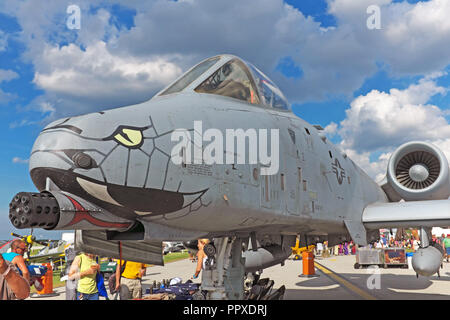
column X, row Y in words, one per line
column 120, row 159
column 43, row 155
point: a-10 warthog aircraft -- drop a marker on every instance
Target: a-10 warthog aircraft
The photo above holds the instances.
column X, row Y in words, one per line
column 218, row 154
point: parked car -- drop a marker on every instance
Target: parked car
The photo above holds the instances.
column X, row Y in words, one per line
column 173, row 247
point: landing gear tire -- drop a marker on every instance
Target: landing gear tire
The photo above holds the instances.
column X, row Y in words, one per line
column 198, row 296
column 209, row 250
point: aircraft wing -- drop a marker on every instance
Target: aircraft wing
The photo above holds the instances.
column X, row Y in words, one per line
column 4, row 246
column 46, row 257
column 413, row 214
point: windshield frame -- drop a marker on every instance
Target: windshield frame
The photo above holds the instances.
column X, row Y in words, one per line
column 167, row 91
column 224, row 59
column 247, row 72
column 253, row 69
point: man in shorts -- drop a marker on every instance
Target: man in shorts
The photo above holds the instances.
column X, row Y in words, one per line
column 129, row 281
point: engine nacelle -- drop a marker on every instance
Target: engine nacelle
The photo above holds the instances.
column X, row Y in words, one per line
column 419, row 171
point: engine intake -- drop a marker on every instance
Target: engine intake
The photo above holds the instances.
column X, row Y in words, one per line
column 419, row 171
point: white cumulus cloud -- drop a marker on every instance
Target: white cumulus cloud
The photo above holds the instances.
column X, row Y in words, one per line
column 103, row 65
column 382, row 121
column 20, row 160
column 7, row 75
column 100, row 78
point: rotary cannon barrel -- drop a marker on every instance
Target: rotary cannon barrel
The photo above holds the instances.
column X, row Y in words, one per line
column 29, row 210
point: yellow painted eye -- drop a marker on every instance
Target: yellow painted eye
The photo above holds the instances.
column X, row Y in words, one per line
column 130, row 138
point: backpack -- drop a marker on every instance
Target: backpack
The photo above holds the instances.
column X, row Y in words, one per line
column 99, row 280
column 112, row 279
column 101, row 286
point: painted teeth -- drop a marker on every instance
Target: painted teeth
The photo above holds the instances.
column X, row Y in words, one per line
column 142, row 213
column 98, row 191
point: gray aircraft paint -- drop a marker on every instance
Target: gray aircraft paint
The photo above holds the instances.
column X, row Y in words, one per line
column 149, row 166
column 122, row 157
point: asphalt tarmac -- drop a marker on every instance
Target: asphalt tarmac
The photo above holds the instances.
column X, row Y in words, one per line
column 336, row 279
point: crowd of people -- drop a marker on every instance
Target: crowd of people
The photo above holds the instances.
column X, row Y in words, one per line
column 344, row 248
column 83, row 274
column 86, row 282
column 83, row 278
column 411, row 244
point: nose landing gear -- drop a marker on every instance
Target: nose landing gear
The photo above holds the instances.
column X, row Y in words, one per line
column 225, row 271
column 223, row 279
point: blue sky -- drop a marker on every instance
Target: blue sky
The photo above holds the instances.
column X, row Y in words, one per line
column 335, row 70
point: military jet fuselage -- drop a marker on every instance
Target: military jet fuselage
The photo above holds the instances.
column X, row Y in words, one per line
column 148, row 170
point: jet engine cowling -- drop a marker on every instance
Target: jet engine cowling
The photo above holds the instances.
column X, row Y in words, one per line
column 419, row 171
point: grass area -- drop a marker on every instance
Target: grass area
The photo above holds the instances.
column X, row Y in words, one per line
column 176, row 256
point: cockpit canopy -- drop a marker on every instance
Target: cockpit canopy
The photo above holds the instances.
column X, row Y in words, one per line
column 231, row 77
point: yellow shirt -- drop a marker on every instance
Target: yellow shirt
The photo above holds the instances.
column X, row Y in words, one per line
column 133, row 270
column 87, row 284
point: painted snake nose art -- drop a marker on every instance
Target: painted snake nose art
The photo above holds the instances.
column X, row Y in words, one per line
column 128, row 172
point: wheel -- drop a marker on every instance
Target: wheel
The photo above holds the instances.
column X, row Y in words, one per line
column 198, row 296
column 357, row 266
column 209, row 250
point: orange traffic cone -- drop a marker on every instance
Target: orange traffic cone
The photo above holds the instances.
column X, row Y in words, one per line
column 47, row 280
column 308, row 265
